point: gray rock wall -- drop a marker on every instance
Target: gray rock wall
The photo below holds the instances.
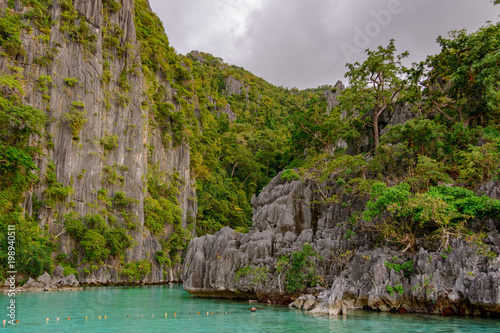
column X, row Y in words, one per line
column 110, row 111
column 286, row 215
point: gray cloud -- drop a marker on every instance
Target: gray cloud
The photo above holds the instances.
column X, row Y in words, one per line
column 297, row 43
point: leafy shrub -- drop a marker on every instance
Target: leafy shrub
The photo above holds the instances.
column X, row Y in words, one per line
column 121, row 200
column 406, row 268
column 71, row 81
column 10, row 33
column 163, row 258
column 74, row 225
column 76, row 117
column 290, row 175
column 55, row 191
column 398, row 288
column 258, row 274
column 137, row 270
column 112, row 5
column 300, row 271
column 95, row 222
column 442, row 211
column 68, row 270
column 94, row 246
column 117, row 241
column 109, row 142
column 44, row 82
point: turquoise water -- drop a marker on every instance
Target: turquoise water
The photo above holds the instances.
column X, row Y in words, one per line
column 146, row 308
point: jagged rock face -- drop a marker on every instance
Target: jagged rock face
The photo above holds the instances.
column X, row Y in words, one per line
column 331, row 95
column 233, row 87
column 490, row 189
column 461, row 280
column 286, row 215
column 110, row 112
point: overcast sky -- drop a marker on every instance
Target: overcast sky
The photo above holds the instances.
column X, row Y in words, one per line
column 306, row 44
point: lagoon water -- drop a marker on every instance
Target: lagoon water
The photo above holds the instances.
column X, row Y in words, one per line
column 146, row 307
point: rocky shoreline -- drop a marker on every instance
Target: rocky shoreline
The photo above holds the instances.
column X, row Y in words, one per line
column 463, row 279
column 58, row 282
column 46, row 282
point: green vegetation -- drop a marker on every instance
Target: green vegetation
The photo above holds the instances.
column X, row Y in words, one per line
column 109, row 142
column 71, row 81
column 77, row 27
column 111, row 5
column 442, row 211
column 55, row 191
column 398, row 288
column 11, row 28
column 137, row 270
column 44, row 82
column 76, row 117
column 375, row 85
column 124, row 205
column 96, row 238
column 18, row 123
column 258, row 274
column 300, row 269
column 290, row 174
column 406, row 268
column 113, row 174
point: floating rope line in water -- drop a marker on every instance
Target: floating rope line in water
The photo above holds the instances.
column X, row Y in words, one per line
column 142, row 316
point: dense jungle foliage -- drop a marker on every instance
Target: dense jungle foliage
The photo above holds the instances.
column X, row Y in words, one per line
column 420, row 176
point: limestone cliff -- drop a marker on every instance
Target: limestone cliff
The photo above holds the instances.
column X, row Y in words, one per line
column 84, row 69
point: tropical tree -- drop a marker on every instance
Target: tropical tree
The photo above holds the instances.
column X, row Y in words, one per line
column 375, row 85
column 461, row 82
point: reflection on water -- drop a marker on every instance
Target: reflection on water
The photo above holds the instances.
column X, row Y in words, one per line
column 169, row 308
